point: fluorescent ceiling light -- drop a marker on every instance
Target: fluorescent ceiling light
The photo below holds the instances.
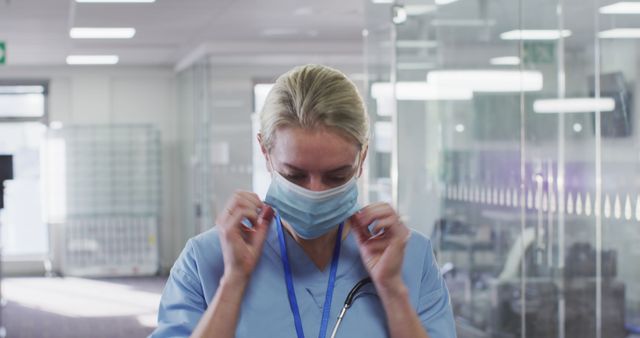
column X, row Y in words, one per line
column 505, row 61
column 623, row 7
column 21, row 89
column 115, row 1
column 92, row 59
column 419, row 91
column 620, row 33
column 416, row 43
column 463, row 22
column 535, row 34
column 102, row 33
column 382, row 1
column 270, row 32
column 574, row 105
column 415, row 10
column 444, row 2
column 498, row 81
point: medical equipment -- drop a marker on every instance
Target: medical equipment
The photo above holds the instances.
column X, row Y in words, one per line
column 347, row 303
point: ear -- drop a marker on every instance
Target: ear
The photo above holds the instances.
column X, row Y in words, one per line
column 363, row 157
column 264, row 151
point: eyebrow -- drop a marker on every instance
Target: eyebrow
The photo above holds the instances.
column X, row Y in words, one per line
column 342, row 168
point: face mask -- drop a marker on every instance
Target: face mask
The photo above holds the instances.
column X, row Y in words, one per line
column 312, row 213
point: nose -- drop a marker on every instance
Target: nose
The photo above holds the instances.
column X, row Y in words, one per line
column 316, row 184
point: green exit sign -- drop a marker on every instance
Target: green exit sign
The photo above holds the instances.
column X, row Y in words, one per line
column 3, row 52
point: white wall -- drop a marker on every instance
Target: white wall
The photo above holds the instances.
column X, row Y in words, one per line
column 110, row 95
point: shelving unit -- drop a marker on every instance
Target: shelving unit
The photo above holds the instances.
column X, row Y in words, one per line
column 112, row 200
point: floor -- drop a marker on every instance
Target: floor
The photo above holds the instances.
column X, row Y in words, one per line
column 78, row 307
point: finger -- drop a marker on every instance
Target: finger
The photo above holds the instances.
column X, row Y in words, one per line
column 367, row 215
column 262, row 226
column 239, row 200
column 379, row 226
column 244, row 201
column 233, row 222
column 251, row 198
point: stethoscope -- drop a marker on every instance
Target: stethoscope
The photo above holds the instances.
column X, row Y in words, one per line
column 351, row 296
column 348, row 302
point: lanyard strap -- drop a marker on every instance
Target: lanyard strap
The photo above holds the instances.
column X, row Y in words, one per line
column 288, row 276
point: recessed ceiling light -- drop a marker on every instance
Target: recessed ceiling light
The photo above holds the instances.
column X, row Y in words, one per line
column 463, row 22
column 444, row 2
column 505, row 61
column 415, row 10
column 623, row 7
column 102, row 33
column 496, row 81
column 279, row 32
column 419, row 91
column 416, row 43
column 620, row 33
column 21, row 89
column 535, row 34
column 92, row 59
column 115, row 1
column 574, row 105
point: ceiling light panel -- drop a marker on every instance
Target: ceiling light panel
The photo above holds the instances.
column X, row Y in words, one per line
column 102, row 33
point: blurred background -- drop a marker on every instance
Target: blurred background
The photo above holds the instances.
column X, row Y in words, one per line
column 503, row 129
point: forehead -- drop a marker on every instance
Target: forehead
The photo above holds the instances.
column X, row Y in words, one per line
column 320, row 149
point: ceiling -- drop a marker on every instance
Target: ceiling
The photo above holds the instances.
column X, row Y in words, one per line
column 176, row 32
column 36, row 32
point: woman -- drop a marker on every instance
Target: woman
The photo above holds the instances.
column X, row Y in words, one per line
column 283, row 267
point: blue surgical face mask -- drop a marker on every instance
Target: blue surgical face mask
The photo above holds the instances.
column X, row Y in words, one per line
column 310, row 213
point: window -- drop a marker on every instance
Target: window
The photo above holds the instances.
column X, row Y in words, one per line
column 22, row 100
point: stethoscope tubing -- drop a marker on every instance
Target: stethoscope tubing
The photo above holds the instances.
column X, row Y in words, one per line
column 347, row 303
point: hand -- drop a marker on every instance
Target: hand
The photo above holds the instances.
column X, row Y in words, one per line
column 242, row 246
column 383, row 253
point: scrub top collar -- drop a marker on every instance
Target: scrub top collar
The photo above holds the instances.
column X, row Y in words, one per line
column 303, row 268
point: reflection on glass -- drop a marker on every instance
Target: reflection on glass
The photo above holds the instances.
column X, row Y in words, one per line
column 527, row 184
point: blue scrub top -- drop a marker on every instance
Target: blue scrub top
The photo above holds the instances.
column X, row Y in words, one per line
column 265, row 310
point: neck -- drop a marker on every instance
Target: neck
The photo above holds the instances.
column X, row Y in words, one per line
column 320, row 249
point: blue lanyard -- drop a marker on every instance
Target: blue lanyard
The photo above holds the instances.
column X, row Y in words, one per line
column 288, row 276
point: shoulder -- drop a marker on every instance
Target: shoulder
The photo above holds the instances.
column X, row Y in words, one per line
column 208, row 241
column 201, row 256
column 419, row 244
column 419, row 257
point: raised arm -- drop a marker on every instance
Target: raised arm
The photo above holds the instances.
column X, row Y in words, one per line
column 241, row 250
column 383, row 256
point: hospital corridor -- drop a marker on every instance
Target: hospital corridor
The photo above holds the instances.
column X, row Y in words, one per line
column 339, row 168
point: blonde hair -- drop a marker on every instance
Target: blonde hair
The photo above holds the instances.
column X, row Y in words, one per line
column 313, row 97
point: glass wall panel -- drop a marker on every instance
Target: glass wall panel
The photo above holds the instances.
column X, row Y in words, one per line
column 515, row 149
column 617, row 50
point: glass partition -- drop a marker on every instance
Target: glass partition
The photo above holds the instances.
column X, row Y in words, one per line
column 515, row 148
